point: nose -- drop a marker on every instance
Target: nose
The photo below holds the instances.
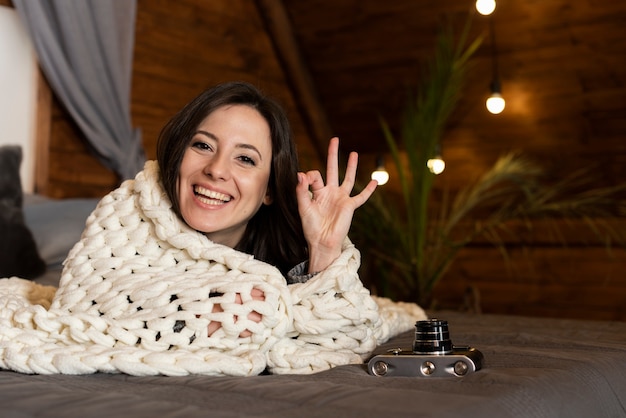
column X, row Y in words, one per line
column 218, row 167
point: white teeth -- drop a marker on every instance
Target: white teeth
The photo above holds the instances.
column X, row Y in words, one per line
column 211, row 195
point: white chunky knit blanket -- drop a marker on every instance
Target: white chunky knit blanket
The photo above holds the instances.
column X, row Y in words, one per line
column 137, row 293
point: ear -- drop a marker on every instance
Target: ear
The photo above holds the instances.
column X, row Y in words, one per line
column 267, row 200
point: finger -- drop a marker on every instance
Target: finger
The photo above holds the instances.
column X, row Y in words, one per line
column 315, row 180
column 332, row 163
column 303, row 196
column 213, row 326
column 255, row 316
column 365, row 194
column 257, row 294
column 350, row 177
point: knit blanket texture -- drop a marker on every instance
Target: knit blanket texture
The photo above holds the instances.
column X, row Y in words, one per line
column 137, row 293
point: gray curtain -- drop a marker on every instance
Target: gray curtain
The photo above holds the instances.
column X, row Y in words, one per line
column 85, row 49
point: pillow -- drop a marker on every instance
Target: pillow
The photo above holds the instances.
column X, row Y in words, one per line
column 19, row 255
column 57, row 225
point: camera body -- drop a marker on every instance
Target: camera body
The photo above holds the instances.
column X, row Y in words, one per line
column 432, row 355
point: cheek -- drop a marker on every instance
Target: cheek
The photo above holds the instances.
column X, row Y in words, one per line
column 180, row 182
column 257, row 187
column 187, row 167
column 182, row 188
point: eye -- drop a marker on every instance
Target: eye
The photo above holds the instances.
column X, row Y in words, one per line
column 247, row 160
column 201, row 145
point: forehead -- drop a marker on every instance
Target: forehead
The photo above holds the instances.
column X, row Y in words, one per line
column 240, row 122
column 235, row 114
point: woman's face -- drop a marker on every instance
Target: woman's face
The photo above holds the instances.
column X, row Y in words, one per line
column 224, row 173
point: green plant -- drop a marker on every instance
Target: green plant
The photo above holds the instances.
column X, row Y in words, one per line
column 409, row 243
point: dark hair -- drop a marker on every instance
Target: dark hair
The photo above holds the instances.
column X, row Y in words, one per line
column 274, row 234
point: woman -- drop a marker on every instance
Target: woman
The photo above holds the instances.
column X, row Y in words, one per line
column 277, row 214
column 181, row 270
column 232, row 137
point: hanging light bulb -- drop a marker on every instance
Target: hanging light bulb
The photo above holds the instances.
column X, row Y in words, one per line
column 495, row 102
column 380, row 174
column 436, row 165
column 485, row 7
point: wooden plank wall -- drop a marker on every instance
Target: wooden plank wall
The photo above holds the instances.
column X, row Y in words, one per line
column 179, row 51
column 540, row 275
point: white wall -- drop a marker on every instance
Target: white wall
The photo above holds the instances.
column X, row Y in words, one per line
column 18, row 91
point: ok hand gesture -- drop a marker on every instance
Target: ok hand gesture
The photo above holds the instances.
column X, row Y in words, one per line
column 327, row 210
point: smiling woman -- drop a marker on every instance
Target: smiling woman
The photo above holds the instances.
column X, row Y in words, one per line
column 225, row 172
column 229, row 114
column 220, row 258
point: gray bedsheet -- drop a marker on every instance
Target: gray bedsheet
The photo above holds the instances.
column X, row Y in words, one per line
column 533, row 368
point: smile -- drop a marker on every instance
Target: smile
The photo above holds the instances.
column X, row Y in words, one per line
column 210, row 197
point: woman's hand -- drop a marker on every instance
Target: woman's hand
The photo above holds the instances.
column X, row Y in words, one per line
column 326, row 210
column 253, row 316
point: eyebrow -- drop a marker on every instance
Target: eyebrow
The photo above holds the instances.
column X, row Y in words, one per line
column 239, row 145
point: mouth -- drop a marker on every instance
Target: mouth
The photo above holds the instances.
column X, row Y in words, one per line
column 210, row 197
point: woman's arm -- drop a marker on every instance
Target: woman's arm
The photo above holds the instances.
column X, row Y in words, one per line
column 326, row 210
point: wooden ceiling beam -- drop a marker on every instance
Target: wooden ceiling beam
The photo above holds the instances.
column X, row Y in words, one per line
column 280, row 30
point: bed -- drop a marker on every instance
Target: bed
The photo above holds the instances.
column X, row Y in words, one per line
column 533, row 367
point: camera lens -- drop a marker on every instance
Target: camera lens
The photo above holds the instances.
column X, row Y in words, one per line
column 432, row 337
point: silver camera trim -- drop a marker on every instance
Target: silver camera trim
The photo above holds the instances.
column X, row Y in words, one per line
column 397, row 362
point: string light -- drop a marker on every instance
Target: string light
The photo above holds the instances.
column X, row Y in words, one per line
column 485, row 7
column 436, row 165
column 380, row 174
column 495, row 103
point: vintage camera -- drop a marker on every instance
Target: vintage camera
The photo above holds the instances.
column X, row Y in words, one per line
column 433, row 355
